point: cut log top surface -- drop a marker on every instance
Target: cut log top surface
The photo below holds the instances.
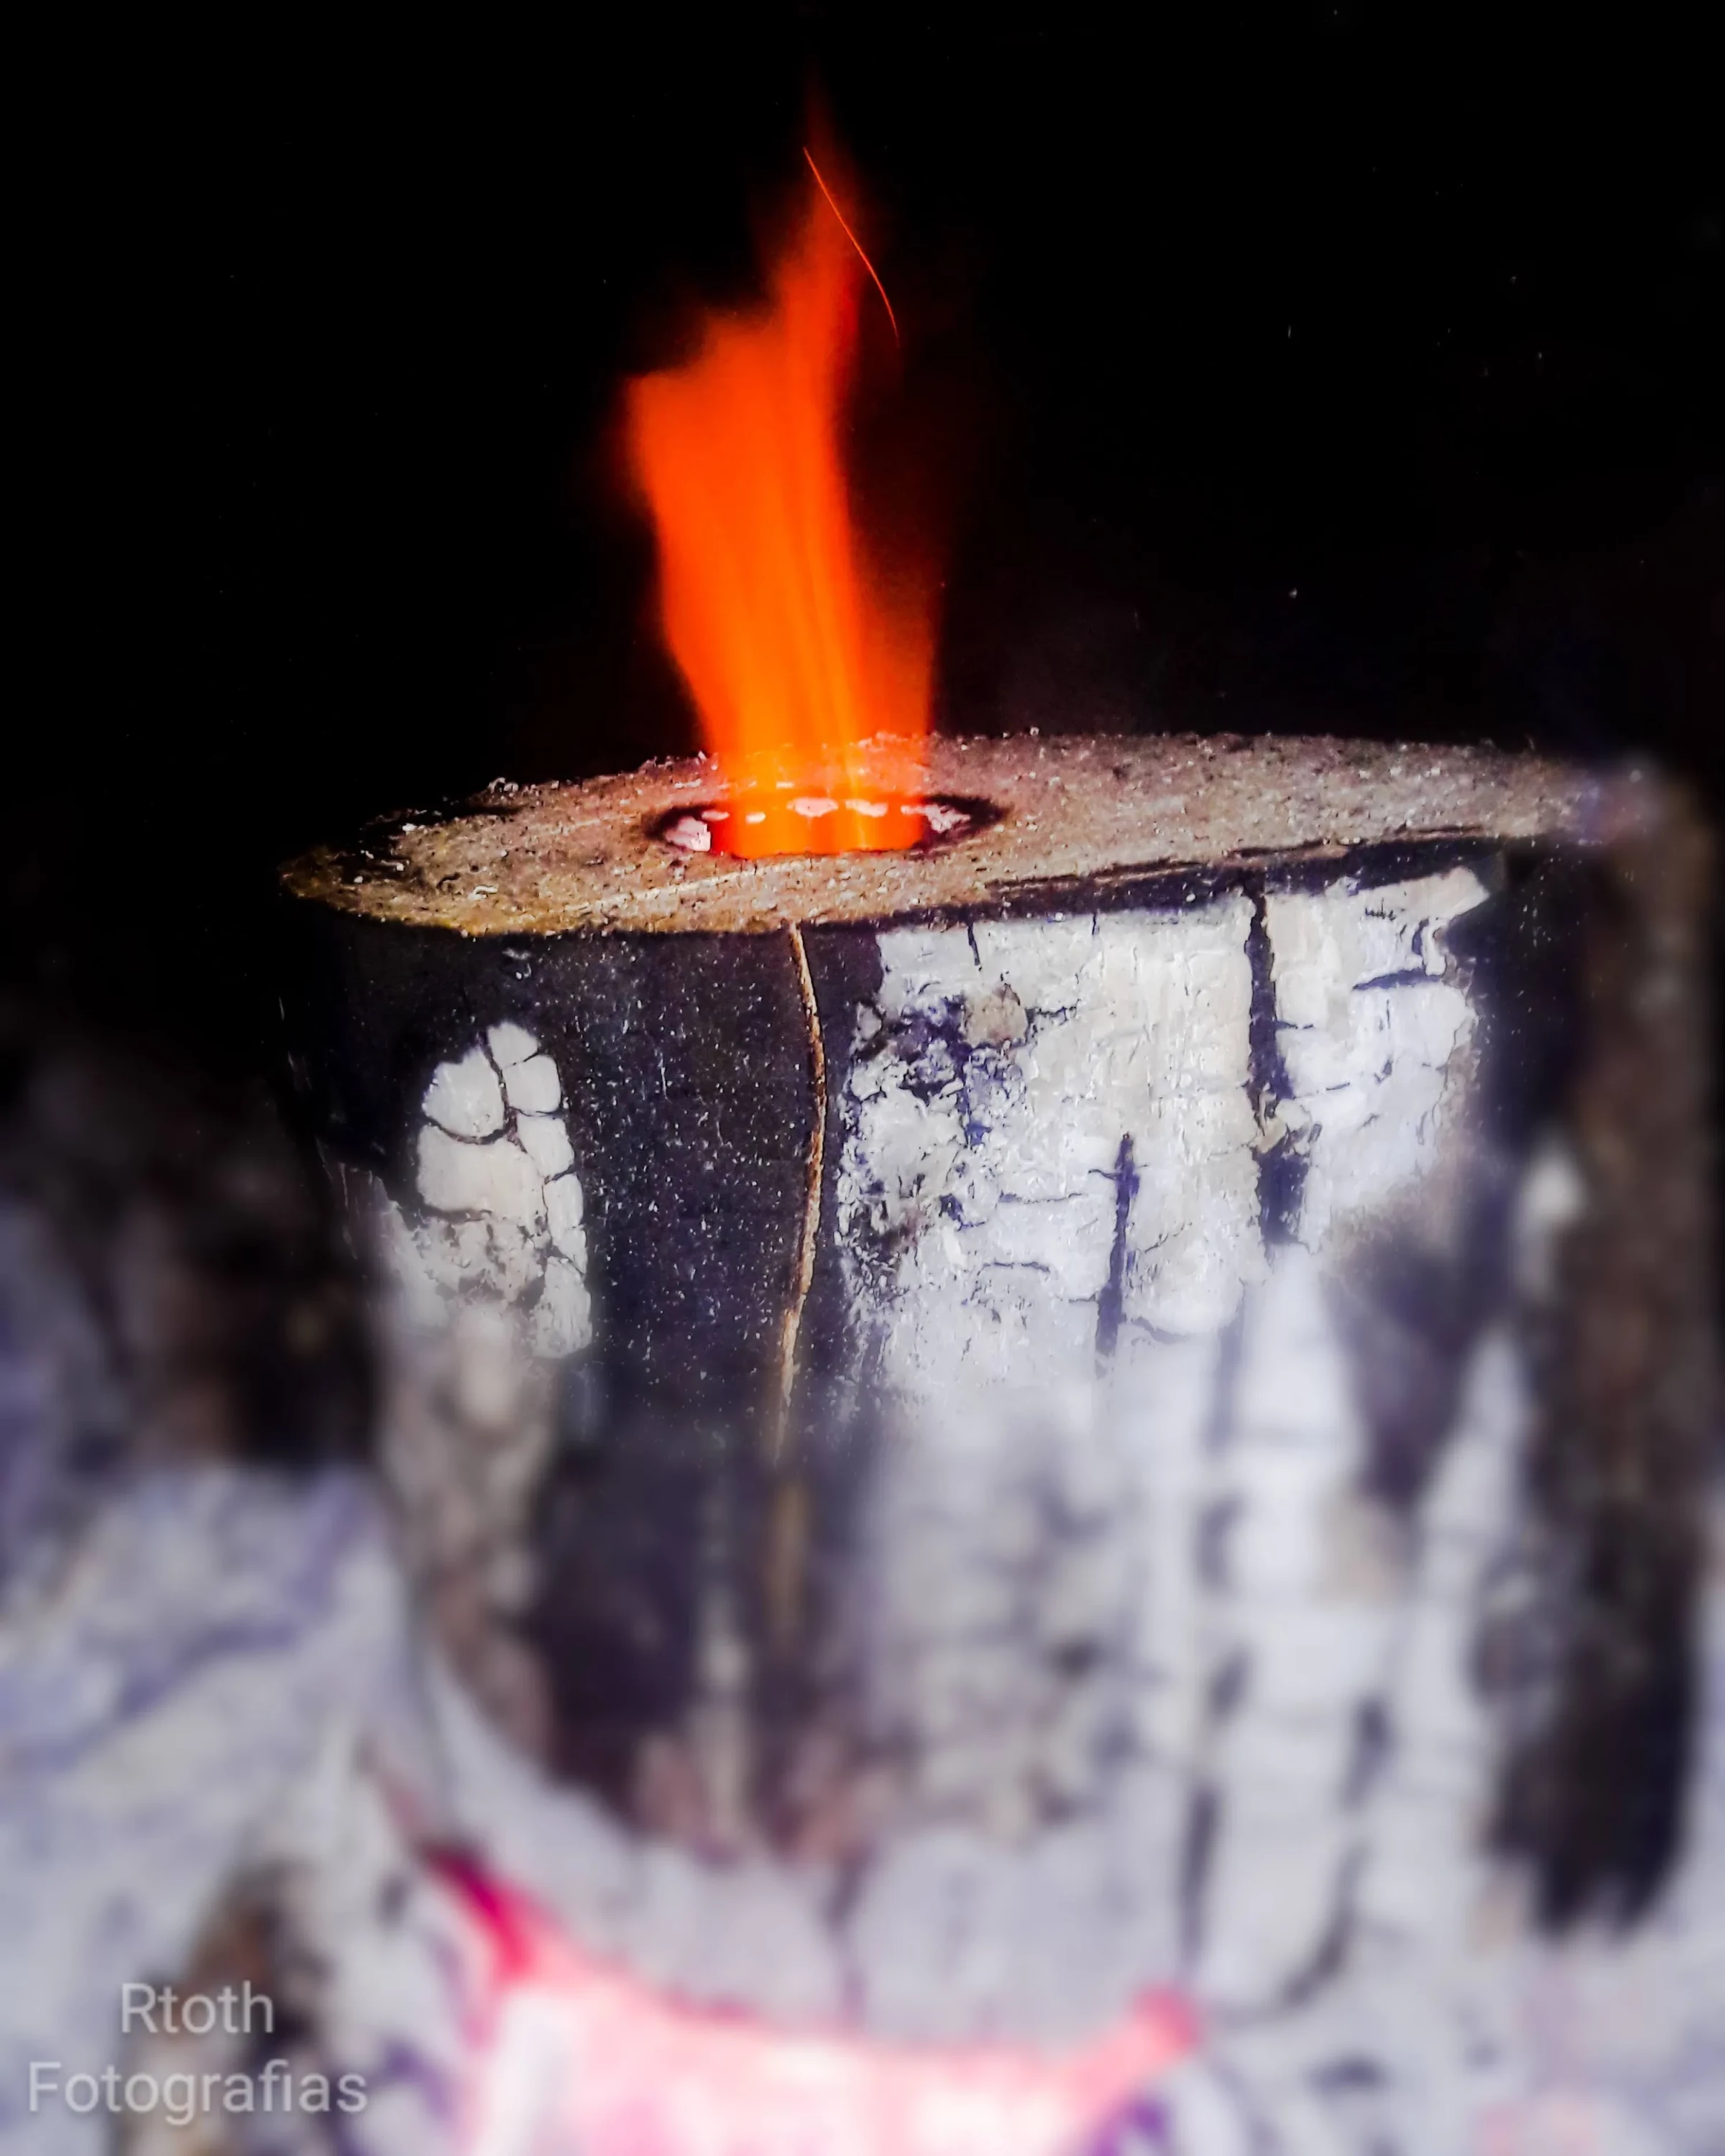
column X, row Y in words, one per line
column 1078, row 809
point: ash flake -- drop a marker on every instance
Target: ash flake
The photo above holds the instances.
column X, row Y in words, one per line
column 939, row 815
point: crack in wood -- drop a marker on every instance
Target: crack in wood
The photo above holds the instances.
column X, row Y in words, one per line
column 1111, row 1304
column 804, row 1278
column 1281, row 1168
column 788, row 1546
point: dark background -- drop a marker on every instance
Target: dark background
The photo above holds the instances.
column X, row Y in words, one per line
column 1346, row 369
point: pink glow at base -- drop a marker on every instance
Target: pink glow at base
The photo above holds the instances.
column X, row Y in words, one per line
column 585, row 2060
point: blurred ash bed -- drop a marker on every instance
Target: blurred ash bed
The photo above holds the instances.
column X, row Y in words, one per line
column 207, row 1671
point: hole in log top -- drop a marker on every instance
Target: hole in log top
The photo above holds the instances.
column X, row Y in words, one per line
column 1044, row 821
column 753, row 825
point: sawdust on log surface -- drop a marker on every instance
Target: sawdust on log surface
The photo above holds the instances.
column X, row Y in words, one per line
column 540, row 860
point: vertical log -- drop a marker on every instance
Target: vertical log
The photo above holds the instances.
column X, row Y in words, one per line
column 956, row 1405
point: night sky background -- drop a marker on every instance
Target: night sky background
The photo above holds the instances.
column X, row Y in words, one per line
column 1355, row 369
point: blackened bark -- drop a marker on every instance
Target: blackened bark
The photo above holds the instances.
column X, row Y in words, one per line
column 1594, row 1792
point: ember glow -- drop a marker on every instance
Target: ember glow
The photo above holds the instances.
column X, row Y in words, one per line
column 583, row 2057
column 796, row 646
column 783, row 821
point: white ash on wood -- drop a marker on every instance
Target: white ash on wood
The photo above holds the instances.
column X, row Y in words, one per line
column 227, row 1649
column 920, row 1385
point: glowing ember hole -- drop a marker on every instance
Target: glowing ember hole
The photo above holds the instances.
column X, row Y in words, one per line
column 821, row 824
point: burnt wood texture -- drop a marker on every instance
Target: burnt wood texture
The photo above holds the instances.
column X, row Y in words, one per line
column 709, row 1527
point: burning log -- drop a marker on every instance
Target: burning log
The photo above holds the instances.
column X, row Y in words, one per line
column 995, row 1425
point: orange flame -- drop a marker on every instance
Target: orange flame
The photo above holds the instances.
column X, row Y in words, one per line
column 796, row 648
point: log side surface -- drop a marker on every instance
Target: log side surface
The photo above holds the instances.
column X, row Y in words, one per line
column 1012, row 1440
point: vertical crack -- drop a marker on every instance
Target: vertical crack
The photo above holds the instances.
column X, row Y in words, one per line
column 788, row 1518
column 1226, row 1674
column 1281, row 1168
column 1112, row 1301
column 802, row 1279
